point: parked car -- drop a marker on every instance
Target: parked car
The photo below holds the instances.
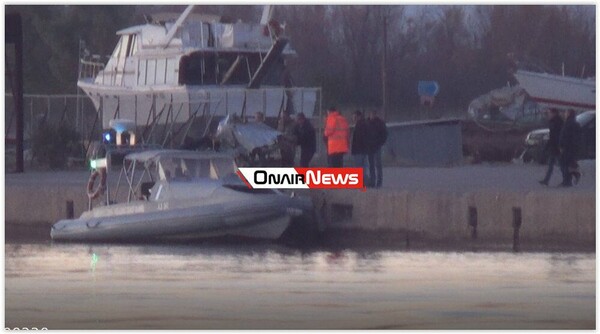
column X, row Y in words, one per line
column 536, row 140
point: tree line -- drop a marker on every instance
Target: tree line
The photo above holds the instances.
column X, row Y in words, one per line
column 340, row 47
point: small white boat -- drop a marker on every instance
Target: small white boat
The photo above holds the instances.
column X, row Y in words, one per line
column 177, row 195
column 558, row 91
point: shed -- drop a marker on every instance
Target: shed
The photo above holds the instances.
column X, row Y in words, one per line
column 424, row 143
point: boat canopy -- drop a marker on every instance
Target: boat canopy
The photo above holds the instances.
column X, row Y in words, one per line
column 181, row 165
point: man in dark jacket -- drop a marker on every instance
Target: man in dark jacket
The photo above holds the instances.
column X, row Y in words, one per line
column 568, row 144
column 360, row 144
column 305, row 134
column 555, row 124
column 377, row 136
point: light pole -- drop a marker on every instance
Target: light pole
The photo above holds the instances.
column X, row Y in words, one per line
column 383, row 70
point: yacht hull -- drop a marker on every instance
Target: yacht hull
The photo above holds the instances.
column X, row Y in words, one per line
column 180, row 104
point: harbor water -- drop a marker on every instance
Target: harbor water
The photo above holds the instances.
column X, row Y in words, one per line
column 268, row 286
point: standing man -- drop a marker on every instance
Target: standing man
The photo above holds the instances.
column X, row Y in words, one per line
column 287, row 139
column 336, row 132
column 555, row 124
column 568, row 144
column 377, row 134
column 305, row 133
column 360, row 144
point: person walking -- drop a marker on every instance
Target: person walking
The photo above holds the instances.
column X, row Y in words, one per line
column 552, row 150
column 287, row 139
column 336, row 133
column 360, row 144
column 305, row 133
column 377, row 136
column 568, row 144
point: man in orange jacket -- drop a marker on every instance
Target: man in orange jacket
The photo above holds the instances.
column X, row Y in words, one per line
column 337, row 135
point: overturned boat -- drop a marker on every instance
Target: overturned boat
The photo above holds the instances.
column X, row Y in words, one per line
column 181, row 195
column 558, row 91
column 506, row 105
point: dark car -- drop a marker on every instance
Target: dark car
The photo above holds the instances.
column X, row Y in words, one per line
column 536, row 140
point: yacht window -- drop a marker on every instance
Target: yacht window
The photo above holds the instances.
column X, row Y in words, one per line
column 235, row 68
column 198, row 69
column 132, row 47
column 209, row 67
column 125, row 45
column 190, row 70
column 117, row 50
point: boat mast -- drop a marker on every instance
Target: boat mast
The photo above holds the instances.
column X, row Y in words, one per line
column 266, row 14
column 176, row 26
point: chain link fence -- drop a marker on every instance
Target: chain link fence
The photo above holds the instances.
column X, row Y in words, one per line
column 48, row 119
column 49, row 114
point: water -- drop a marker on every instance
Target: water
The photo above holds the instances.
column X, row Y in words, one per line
column 263, row 286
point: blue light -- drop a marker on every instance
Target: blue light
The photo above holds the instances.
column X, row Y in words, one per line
column 107, row 136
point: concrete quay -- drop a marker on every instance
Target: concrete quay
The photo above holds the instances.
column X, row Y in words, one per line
column 482, row 202
column 491, row 203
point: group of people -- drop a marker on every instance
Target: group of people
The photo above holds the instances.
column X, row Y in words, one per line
column 364, row 144
column 365, row 147
column 296, row 133
column 562, row 146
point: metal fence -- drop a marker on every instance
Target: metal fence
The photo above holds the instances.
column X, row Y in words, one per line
column 77, row 112
column 74, row 111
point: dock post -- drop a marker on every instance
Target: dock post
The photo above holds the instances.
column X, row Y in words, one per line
column 70, row 210
column 473, row 221
column 516, row 226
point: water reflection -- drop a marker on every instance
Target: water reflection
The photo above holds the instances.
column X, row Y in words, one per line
column 273, row 287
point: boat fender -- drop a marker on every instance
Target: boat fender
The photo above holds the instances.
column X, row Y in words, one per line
column 95, row 193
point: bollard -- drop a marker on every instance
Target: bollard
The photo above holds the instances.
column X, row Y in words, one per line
column 407, row 240
column 516, row 227
column 473, row 221
column 70, row 210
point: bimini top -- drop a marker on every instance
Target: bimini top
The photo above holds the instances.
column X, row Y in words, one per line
column 157, row 155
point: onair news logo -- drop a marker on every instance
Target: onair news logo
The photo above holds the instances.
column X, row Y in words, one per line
column 302, row 178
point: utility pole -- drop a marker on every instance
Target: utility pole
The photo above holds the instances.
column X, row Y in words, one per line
column 14, row 35
column 384, row 70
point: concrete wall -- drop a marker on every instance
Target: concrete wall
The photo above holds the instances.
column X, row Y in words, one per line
column 31, row 205
column 545, row 217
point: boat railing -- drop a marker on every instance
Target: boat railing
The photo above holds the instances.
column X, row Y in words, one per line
column 89, row 68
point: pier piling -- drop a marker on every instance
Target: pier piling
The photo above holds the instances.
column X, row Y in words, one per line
column 70, row 210
column 473, row 221
column 516, row 226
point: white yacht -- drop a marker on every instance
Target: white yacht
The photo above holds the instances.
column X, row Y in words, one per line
column 181, row 69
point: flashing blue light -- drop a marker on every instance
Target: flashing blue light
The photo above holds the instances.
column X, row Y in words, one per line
column 107, row 136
